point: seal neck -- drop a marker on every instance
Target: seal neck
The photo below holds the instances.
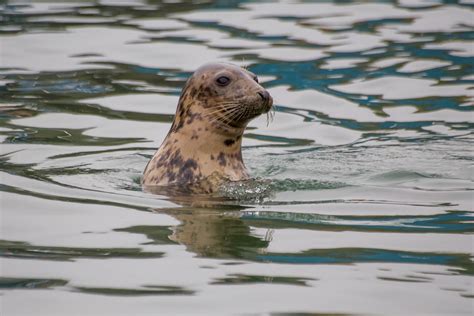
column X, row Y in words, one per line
column 214, row 153
column 204, row 140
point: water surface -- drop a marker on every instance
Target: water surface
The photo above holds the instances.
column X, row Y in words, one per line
column 363, row 201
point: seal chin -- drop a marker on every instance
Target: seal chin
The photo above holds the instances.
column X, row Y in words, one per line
column 258, row 108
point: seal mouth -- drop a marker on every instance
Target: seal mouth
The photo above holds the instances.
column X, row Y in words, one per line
column 268, row 105
column 237, row 113
column 267, row 100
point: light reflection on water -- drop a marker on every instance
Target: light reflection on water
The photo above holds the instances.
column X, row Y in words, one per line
column 364, row 179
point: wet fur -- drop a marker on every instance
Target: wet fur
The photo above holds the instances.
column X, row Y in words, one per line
column 203, row 146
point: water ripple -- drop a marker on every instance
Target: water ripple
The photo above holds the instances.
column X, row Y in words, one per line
column 363, row 181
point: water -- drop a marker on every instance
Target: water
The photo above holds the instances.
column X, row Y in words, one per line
column 362, row 202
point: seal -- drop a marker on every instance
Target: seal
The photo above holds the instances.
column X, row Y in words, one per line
column 203, row 145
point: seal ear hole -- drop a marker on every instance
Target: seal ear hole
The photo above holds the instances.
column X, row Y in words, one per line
column 223, row 81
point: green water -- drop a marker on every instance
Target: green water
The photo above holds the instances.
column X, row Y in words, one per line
column 361, row 201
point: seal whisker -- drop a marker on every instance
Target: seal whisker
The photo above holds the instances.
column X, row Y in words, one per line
column 220, row 114
column 230, row 105
column 231, row 115
column 270, row 115
column 222, row 121
column 224, row 114
column 235, row 113
column 243, row 114
column 222, row 109
column 214, row 113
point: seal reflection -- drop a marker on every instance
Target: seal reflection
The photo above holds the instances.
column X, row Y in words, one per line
column 217, row 234
column 210, row 231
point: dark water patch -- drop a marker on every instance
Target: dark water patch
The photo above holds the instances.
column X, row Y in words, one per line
column 82, row 108
column 429, row 104
column 237, row 32
column 360, row 201
column 58, row 85
column 61, row 136
column 449, row 222
column 101, row 151
column 74, row 197
column 399, row 176
column 102, row 79
column 282, row 141
column 412, row 280
column 233, row 263
column 76, row 170
column 307, row 314
column 45, row 177
column 26, row 18
column 146, row 290
column 30, row 283
column 16, row 111
column 235, row 279
column 24, row 250
column 372, row 25
column 159, row 235
column 460, row 263
column 453, row 289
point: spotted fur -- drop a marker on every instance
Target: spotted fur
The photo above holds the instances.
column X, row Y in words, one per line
column 204, row 141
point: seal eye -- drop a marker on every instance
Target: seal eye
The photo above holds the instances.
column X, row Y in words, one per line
column 256, row 79
column 223, row 81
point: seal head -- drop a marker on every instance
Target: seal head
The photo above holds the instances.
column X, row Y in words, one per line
column 203, row 146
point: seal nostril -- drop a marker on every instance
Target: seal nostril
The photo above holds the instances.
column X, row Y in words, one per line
column 264, row 95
